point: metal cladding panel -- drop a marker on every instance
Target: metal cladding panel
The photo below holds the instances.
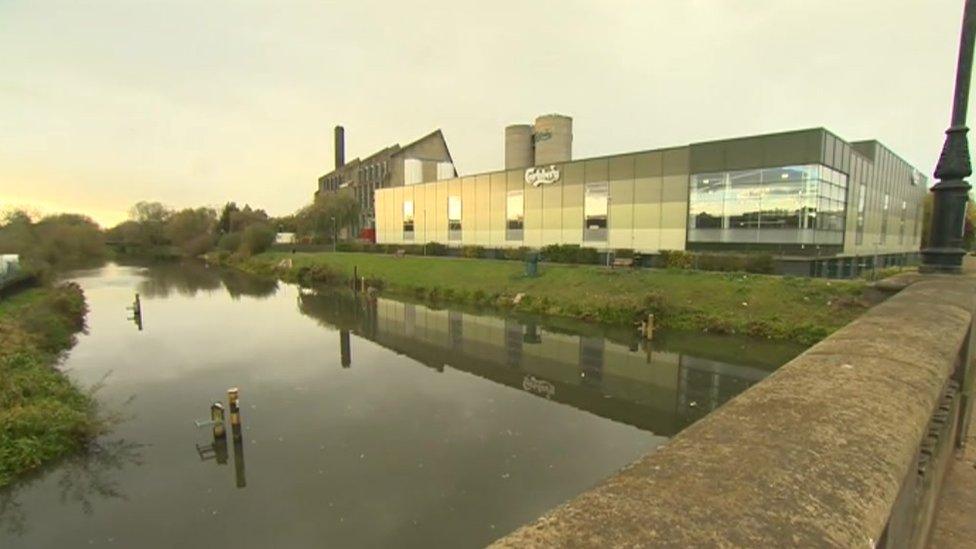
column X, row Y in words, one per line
column 553, row 139
column 519, row 149
column 497, row 194
column 572, row 229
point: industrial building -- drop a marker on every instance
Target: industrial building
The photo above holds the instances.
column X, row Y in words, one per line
column 806, row 196
column 426, row 159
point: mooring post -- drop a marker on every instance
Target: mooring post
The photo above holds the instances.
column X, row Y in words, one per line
column 217, row 417
column 233, row 395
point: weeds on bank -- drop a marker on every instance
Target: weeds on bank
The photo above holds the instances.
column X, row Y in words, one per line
column 43, row 416
column 784, row 308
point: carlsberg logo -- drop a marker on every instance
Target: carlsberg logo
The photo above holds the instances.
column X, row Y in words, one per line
column 541, row 175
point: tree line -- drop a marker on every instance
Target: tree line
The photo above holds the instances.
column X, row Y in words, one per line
column 64, row 241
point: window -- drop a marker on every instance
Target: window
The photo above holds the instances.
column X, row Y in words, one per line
column 445, row 170
column 779, row 205
column 454, row 218
column 514, row 215
column 707, row 209
column 413, row 171
column 595, row 210
column 861, row 192
column 408, row 219
column 884, row 219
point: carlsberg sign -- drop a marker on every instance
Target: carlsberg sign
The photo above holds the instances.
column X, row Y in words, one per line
column 541, row 175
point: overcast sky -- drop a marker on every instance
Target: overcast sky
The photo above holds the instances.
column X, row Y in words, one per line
column 103, row 104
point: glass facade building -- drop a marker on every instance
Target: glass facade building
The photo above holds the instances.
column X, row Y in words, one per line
column 783, row 205
column 817, row 203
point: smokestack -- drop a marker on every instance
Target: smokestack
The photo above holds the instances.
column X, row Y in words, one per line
column 340, row 147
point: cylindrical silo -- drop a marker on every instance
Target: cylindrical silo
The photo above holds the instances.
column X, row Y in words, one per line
column 553, row 139
column 519, row 151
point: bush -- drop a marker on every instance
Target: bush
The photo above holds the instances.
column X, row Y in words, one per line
column 473, row 251
column 257, row 238
column 760, row 263
column 570, row 253
column 436, row 248
column 230, row 242
column 676, row 259
column 515, row 253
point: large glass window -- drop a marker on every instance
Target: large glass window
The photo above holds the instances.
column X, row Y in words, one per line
column 454, row 218
column 595, row 210
column 408, row 219
column 782, row 205
column 707, row 206
column 514, row 215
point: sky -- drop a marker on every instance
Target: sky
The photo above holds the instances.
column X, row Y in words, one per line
column 106, row 103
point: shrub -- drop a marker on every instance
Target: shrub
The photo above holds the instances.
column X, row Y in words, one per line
column 676, row 259
column 436, row 248
column 517, row 254
column 760, row 263
column 318, row 274
column 570, row 253
column 587, row 255
column 719, row 262
column 473, row 251
column 257, row 238
column 230, row 242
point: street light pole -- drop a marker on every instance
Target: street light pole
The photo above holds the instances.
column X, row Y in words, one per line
column 943, row 252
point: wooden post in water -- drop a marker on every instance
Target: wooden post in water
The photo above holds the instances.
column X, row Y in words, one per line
column 217, row 417
column 233, row 395
column 649, row 327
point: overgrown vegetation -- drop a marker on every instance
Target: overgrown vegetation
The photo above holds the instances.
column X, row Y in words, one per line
column 155, row 230
column 43, row 416
column 803, row 310
column 53, row 242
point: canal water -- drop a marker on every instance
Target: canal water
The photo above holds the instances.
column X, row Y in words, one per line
column 365, row 422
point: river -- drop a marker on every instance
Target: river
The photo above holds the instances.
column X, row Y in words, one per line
column 364, row 422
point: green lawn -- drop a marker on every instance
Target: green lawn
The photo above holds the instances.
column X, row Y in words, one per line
column 790, row 308
column 43, row 416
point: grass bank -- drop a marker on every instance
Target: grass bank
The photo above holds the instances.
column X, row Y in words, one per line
column 803, row 310
column 43, row 416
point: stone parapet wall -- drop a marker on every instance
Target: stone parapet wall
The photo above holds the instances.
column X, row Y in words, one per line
column 831, row 450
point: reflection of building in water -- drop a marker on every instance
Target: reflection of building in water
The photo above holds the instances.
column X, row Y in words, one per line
column 345, row 350
column 653, row 389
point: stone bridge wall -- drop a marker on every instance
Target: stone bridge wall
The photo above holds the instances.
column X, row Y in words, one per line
column 845, row 445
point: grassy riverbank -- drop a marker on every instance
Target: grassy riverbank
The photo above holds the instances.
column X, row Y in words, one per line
column 43, row 416
column 803, row 310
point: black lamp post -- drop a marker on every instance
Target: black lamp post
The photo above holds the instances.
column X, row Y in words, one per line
column 944, row 250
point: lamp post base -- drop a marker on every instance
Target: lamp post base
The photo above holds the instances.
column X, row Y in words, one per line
column 942, row 260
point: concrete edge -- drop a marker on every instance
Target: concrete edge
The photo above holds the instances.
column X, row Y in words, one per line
column 815, row 455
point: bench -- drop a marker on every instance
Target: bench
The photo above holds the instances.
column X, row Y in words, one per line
column 400, row 253
column 623, row 262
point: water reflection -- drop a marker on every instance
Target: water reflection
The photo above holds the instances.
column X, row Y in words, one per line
column 82, row 480
column 661, row 385
column 188, row 278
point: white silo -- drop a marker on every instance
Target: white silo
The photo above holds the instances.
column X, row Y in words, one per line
column 519, row 152
column 553, row 139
